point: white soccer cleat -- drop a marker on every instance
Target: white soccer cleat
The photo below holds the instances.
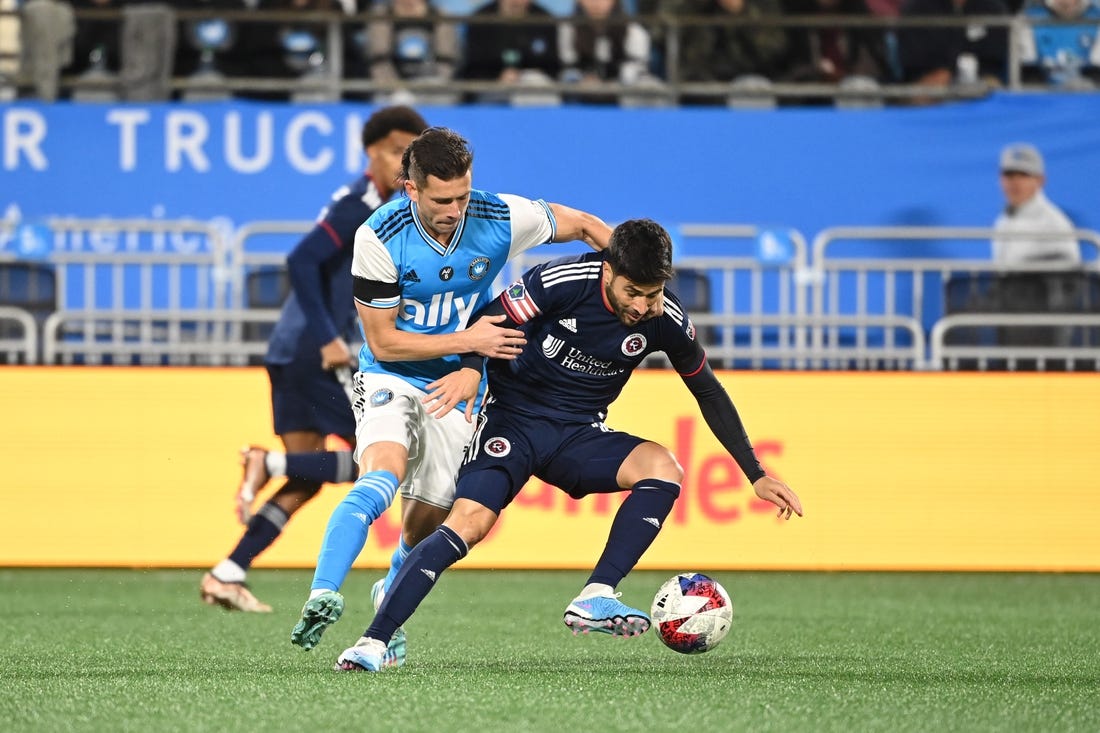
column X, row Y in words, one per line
column 605, row 615
column 368, row 655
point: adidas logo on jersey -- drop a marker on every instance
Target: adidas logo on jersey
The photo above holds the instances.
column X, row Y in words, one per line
column 411, row 277
column 570, row 324
column 652, row 520
column 429, row 573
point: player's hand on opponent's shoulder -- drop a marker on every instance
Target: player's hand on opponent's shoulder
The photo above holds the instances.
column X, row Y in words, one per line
column 485, row 337
column 778, row 493
column 450, row 389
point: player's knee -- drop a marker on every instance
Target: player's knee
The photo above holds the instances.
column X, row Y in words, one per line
column 471, row 521
column 650, row 460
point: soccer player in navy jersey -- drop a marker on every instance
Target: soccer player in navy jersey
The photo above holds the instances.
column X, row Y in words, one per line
column 422, row 266
column 589, row 322
column 309, row 343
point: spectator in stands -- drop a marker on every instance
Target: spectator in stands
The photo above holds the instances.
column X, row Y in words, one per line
column 829, row 54
column 46, row 44
column 658, row 31
column 601, row 44
column 97, row 41
column 415, row 46
column 1025, row 228
column 720, row 52
column 1065, row 55
column 931, row 56
column 508, row 53
column 197, row 48
column 307, row 348
column 263, row 49
column 1028, row 210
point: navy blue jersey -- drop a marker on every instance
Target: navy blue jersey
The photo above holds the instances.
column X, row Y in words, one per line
column 579, row 355
column 320, row 306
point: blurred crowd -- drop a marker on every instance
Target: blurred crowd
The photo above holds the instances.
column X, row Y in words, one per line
column 577, row 50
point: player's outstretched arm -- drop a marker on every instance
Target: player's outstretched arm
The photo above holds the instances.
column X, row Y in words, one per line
column 573, row 224
column 718, row 411
column 778, row 493
column 387, row 343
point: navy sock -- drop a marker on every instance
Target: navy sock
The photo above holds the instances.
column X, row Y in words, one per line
column 263, row 529
column 636, row 525
column 324, row 467
column 434, row 554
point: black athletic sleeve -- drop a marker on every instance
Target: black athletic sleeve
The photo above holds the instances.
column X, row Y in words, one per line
column 722, row 419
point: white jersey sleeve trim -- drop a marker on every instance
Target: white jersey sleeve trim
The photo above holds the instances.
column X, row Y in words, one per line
column 532, row 223
column 371, row 259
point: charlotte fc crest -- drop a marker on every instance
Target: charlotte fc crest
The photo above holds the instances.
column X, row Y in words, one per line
column 479, row 268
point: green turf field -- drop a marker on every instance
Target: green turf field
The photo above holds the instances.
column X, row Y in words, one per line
column 119, row 650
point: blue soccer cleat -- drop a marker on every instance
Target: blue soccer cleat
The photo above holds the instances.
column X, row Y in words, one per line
column 605, row 615
column 317, row 615
column 398, row 646
column 368, row 655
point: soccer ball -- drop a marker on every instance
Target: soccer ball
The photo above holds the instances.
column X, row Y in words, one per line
column 692, row 613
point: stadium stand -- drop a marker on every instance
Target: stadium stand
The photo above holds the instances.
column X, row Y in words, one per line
column 319, row 52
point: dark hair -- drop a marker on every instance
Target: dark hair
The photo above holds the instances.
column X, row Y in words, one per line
column 437, row 152
column 641, row 251
column 391, row 119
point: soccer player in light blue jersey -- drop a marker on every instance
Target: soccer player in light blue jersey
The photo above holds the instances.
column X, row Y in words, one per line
column 590, row 321
column 421, row 267
column 307, row 346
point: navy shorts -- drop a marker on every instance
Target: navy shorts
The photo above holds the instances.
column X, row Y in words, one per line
column 307, row 397
column 578, row 458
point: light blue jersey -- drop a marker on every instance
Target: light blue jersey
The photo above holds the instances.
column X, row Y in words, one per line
column 436, row 288
column 1063, row 50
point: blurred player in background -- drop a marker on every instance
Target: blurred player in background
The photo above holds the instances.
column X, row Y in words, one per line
column 306, row 354
column 421, row 267
column 589, row 321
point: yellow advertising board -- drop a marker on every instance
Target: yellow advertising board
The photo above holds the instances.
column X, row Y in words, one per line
column 896, row 471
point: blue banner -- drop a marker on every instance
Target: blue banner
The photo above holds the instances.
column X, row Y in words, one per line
column 809, row 169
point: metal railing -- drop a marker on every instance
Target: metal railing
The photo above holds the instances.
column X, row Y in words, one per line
column 906, row 285
column 331, row 81
column 1083, row 355
column 171, row 337
column 18, row 349
column 174, row 292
